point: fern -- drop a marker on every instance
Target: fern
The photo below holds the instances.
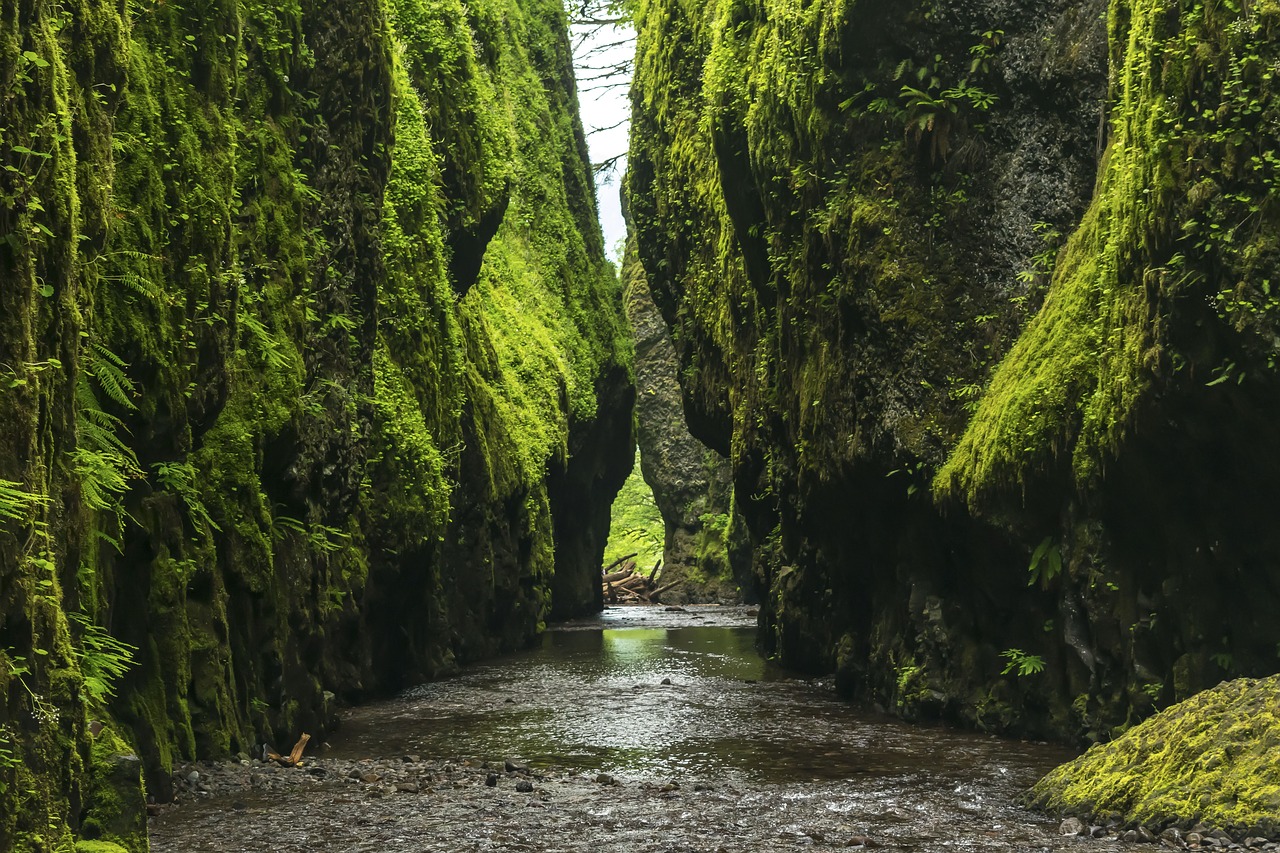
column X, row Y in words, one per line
column 267, row 343
column 103, row 462
column 15, row 503
column 109, row 369
column 103, row 659
column 101, row 479
column 180, row 478
column 1021, row 663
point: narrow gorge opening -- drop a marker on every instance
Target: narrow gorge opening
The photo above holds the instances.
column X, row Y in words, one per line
column 676, row 505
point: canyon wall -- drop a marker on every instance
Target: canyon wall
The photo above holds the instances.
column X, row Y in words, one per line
column 705, row 546
column 314, row 377
column 979, row 300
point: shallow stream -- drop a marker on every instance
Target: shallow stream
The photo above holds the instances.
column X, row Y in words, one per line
column 644, row 730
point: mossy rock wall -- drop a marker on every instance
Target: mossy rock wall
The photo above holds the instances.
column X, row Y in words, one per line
column 703, row 541
column 977, row 299
column 313, row 375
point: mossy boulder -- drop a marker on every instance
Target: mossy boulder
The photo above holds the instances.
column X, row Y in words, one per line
column 1213, row 759
column 117, row 812
column 99, row 847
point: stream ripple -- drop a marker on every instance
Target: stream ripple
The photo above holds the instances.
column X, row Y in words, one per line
column 643, row 730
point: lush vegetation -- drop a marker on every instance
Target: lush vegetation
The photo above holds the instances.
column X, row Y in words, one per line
column 309, row 357
column 635, row 525
column 982, row 365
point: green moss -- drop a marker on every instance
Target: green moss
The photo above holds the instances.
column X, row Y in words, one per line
column 1173, row 217
column 233, row 271
column 1209, row 759
column 117, row 807
column 83, row 846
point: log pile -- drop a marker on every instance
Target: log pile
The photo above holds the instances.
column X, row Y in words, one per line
column 623, row 583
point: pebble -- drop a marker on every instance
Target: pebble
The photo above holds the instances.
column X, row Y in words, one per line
column 1071, row 826
column 606, row 779
column 514, row 767
column 1199, row 837
column 491, row 780
column 193, row 777
column 407, row 787
column 666, row 681
column 524, row 786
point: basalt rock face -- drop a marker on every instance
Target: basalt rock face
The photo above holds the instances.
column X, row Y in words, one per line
column 310, row 359
column 977, row 298
column 703, row 543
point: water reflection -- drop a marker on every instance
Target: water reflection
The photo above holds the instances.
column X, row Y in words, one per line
column 763, row 762
column 595, row 700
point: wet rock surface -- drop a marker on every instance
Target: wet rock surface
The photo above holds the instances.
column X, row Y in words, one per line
column 690, row 482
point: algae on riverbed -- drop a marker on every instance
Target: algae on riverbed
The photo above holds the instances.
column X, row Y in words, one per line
column 1213, row 759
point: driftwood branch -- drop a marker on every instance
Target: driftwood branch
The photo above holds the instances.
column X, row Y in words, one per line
column 294, row 758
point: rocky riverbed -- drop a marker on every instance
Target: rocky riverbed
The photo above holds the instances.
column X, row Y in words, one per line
column 649, row 730
column 412, row 804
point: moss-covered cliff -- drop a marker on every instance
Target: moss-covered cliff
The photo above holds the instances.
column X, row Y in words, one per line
column 978, row 298
column 703, row 542
column 313, row 375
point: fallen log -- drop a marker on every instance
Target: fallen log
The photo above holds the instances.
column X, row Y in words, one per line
column 653, row 596
column 617, row 562
column 613, row 577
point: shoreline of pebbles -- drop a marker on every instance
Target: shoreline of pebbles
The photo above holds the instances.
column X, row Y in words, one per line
column 382, row 777
column 1198, row 837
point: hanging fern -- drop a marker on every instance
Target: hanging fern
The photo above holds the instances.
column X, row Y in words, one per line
column 109, row 369
column 180, row 478
column 104, row 463
column 15, row 503
column 103, row 659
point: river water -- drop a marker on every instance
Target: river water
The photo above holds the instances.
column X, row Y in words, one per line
column 644, row 730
